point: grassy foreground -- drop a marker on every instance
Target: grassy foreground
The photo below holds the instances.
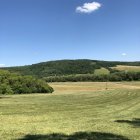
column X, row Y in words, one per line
column 75, row 111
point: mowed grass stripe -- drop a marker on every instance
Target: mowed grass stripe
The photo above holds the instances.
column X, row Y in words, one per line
column 71, row 111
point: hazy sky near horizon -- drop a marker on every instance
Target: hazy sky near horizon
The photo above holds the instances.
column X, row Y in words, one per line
column 33, row 31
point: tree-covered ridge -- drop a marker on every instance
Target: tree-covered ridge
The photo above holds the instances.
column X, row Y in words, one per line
column 67, row 67
column 12, row 83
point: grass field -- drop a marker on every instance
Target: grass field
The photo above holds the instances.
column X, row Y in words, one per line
column 75, row 111
column 127, row 68
column 101, row 71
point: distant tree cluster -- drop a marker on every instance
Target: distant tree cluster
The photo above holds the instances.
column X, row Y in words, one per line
column 116, row 76
column 11, row 83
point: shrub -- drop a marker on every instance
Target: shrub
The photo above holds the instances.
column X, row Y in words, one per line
column 16, row 84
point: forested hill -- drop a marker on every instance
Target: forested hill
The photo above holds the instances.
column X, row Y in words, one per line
column 67, row 67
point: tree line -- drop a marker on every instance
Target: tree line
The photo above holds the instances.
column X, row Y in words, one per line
column 116, row 76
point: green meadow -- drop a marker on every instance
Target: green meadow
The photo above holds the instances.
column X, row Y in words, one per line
column 102, row 71
column 75, row 111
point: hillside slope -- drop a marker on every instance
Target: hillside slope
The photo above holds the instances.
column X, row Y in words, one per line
column 67, row 67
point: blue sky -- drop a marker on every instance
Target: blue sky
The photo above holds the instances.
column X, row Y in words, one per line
column 33, row 31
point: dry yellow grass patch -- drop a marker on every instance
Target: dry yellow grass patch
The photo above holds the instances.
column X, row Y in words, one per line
column 92, row 86
column 127, row 68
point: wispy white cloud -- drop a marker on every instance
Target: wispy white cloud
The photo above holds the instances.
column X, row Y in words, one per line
column 124, row 54
column 88, row 7
column 2, row 65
